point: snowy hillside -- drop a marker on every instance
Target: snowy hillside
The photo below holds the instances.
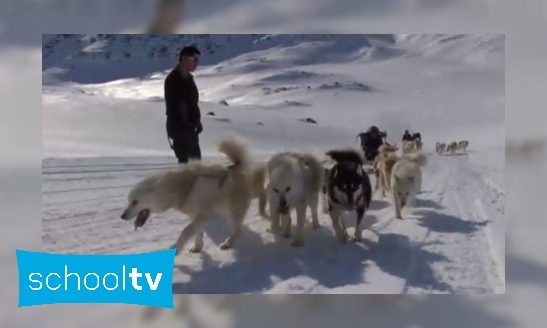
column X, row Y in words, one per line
column 137, row 55
column 103, row 130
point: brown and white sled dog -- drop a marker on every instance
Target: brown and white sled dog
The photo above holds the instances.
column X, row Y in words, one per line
column 383, row 152
column 348, row 188
column 201, row 191
column 258, row 186
column 295, row 180
column 406, row 179
column 452, row 148
column 384, row 168
column 462, row 145
column 387, row 148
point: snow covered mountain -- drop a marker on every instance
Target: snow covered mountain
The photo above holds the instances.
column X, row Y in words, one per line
column 135, row 55
column 104, row 129
column 118, row 56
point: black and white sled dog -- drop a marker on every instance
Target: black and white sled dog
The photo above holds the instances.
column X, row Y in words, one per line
column 347, row 188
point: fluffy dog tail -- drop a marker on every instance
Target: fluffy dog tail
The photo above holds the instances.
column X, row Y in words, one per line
column 419, row 157
column 346, row 155
column 317, row 169
column 237, row 152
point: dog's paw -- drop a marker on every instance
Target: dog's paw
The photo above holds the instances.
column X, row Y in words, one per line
column 177, row 250
column 225, row 246
column 316, row 225
column 399, row 217
column 297, row 243
column 195, row 250
column 357, row 238
column 286, row 234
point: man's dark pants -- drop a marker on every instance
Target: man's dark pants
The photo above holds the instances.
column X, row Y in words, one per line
column 186, row 145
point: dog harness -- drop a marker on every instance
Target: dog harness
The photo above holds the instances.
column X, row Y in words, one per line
column 225, row 176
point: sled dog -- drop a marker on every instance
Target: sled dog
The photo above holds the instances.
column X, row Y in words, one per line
column 406, row 179
column 199, row 190
column 390, row 146
column 383, row 152
column 440, row 147
column 462, row 145
column 452, row 148
column 408, row 147
column 384, row 167
column 259, row 179
column 348, row 188
column 387, row 148
column 295, row 181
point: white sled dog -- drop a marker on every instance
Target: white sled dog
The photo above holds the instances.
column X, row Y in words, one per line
column 406, row 179
column 295, row 180
column 440, row 147
column 199, row 190
column 409, row 147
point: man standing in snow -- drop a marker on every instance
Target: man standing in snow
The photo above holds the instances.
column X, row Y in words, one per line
column 183, row 113
column 407, row 136
column 371, row 142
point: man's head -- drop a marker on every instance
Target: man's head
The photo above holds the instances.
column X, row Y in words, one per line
column 189, row 58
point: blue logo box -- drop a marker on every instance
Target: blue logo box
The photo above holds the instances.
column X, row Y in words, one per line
column 141, row 279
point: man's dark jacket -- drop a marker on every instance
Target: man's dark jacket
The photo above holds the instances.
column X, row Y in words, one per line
column 181, row 98
column 370, row 143
column 408, row 137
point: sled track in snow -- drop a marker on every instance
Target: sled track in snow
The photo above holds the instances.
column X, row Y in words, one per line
column 98, row 166
column 91, row 169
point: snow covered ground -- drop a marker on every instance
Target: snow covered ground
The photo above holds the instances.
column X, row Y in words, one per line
column 101, row 133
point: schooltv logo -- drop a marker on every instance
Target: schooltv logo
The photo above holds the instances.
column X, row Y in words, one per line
column 141, row 279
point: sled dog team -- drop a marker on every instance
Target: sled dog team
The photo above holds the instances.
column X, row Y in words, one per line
column 288, row 181
column 451, row 148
